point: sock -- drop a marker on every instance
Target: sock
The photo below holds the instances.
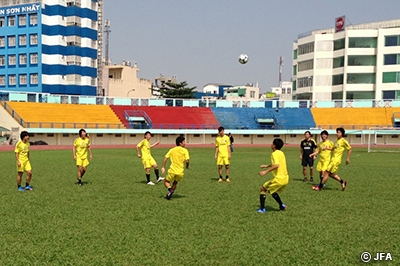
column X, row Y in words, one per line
column 19, row 186
column 341, row 181
column 277, row 198
column 26, row 184
column 262, row 200
column 79, row 180
column 320, row 185
column 227, row 177
column 157, row 173
column 220, row 176
column 171, row 190
column 148, row 178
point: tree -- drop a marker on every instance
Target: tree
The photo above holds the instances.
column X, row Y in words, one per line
column 177, row 90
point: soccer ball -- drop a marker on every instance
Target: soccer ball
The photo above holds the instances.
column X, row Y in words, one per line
column 243, row 58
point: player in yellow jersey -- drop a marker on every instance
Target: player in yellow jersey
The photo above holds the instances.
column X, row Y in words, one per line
column 179, row 156
column 324, row 149
column 222, row 153
column 23, row 163
column 336, row 159
column 148, row 160
column 279, row 173
column 80, row 151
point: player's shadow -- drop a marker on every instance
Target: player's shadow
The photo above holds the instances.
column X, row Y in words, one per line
column 268, row 209
column 214, row 179
column 174, row 196
column 84, row 183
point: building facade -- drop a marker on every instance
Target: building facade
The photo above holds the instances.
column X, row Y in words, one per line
column 284, row 91
column 49, row 46
column 355, row 62
column 122, row 81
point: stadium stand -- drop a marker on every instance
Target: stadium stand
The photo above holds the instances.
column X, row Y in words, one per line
column 294, row 118
column 164, row 117
column 264, row 118
column 48, row 115
column 353, row 118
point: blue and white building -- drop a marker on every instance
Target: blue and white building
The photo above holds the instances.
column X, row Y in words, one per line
column 49, row 46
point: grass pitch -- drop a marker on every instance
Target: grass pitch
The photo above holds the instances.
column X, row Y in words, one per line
column 116, row 219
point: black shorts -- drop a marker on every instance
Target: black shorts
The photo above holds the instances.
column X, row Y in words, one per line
column 307, row 161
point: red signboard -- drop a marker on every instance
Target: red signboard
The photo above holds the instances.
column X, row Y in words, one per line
column 339, row 24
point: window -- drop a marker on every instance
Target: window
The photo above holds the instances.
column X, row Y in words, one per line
column 392, row 40
column 306, row 48
column 337, row 79
column 33, row 19
column 361, row 78
column 362, row 60
column 338, row 62
column 65, row 135
column 12, row 60
column 94, row 24
column 11, row 41
column 33, row 39
column 294, row 70
column 94, row 6
column 305, row 82
column 11, row 21
column 22, row 40
column 22, row 79
column 34, row 79
column 2, row 23
column 2, row 41
column 391, row 77
column 295, row 54
column 93, row 63
column 22, row 59
column 283, row 90
column 392, row 59
column 34, row 58
column 339, row 44
column 74, row 60
column 305, row 65
column 12, row 80
column 73, row 3
column 73, row 41
column 2, row 60
column 252, row 94
column 362, row 42
column 74, row 21
column 289, row 90
column 22, row 20
column 2, row 80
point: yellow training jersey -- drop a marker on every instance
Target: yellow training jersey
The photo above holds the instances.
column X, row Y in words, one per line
column 339, row 147
column 81, row 147
column 325, row 154
column 281, row 173
column 144, row 146
column 23, row 150
column 223, row 145
column 179, row 156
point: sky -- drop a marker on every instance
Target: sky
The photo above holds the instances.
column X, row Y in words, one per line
column 199, row 41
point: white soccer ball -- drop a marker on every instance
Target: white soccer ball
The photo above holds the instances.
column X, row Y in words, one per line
column 243, row 58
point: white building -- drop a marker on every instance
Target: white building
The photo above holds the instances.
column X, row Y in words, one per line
column 283, row 92
column 245, row 92
column 348, row 62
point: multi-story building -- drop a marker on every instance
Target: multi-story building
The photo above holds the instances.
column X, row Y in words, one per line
column 348, row 62
column 284, row 91
column 122, row 81
column 49, row 46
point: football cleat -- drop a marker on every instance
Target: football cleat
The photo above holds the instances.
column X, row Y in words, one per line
column 283, row 207
column 160, row 179
column 21, row 189
column 344, row 184
column 261, row 210
column 220, row 180
column 227, row 180
column 28, row 188
column 150, row 183
column 305, row 179
column 316, row 187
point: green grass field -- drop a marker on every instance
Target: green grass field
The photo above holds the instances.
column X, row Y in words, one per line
column 116, row 219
